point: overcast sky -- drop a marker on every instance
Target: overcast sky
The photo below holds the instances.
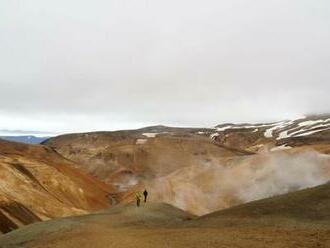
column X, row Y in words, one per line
column 77, row 65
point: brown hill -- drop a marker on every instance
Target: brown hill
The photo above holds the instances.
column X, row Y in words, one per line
column 201, row 170
column 299, row 219
column 39, row 184
column 123, row 159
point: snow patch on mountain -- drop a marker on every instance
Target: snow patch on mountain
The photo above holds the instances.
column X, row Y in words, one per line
column 280, row 148
column 220, row 129
column 305, row 128
column 302, row 126
column 214, row 135
column 141, row 141
column 275, row 126
column 311, row 132
column 312, row 122
column 150, row 135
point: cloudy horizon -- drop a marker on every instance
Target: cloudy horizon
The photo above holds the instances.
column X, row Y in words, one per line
column 73, row 66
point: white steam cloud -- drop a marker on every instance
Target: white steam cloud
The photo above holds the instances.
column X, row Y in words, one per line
column 212, row 186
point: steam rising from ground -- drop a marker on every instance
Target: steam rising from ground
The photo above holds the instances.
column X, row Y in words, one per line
column 211, row 186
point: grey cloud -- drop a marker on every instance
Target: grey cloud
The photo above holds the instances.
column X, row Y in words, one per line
column 73, row 65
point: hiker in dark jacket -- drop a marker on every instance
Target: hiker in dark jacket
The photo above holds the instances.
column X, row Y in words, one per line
column 145, row 193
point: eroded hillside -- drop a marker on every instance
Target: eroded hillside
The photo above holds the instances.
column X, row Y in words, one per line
column 36, row 184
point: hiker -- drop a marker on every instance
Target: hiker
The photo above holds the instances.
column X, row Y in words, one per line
column 138, row 198
column 145, row 193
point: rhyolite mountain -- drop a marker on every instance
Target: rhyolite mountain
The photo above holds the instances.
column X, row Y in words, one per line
column 198, row 170
column 37, row 183
column 202, row 170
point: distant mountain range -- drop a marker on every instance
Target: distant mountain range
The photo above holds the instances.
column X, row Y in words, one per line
column 27, row 139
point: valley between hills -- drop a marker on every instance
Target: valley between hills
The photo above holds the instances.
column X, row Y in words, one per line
column 233, row 185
